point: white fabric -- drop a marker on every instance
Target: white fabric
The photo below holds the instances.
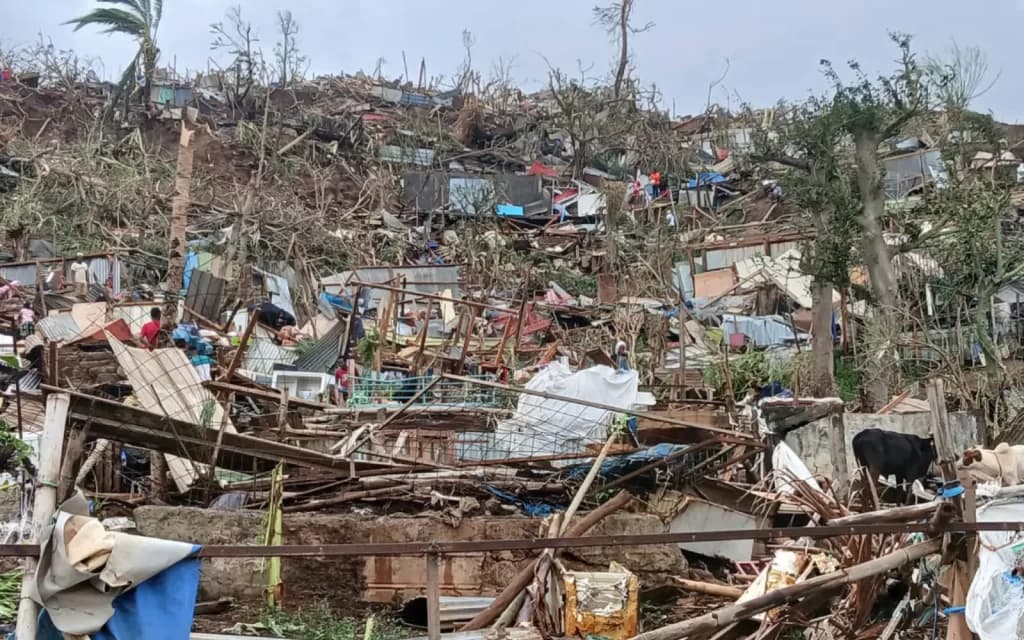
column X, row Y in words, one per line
column 995, row 601
column 542, row 426
column 784, row 459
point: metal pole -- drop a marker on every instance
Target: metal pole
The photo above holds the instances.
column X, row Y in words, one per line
column 17, row 395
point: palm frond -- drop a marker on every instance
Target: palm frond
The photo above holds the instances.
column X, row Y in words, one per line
column 158, row 12
column 115, row 21
column 136, row 5
column 125, row 85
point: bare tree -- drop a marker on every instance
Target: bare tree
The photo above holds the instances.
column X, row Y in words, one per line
column 466, row 73
column 615, row 18
column 240, row 41
column 290, row 61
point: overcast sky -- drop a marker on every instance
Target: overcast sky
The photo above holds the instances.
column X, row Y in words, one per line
column 773, row 48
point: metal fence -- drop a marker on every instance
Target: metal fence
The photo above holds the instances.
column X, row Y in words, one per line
column 384, row 392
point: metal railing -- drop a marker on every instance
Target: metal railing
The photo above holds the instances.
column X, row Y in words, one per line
column 373, row 391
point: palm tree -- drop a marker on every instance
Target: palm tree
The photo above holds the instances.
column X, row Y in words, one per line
column 137, row 18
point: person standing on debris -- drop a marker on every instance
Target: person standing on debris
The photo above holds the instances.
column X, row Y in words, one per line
column 621, row 356
column 80, row 275
column 656, row 185
column 151, row 330
column 27, row 320
column 341, row 381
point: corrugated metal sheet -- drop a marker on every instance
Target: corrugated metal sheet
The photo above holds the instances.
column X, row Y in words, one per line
column 30, row 381
column 407, row 155
column 205, row 294
column 725, row 258
column 58, row 301
column 25, row 274
column 59, row 328
column 166, row 383
column 277, row 287
column 324, row 353
column 100, row 271
column 420, row 279
column 135, row 316
column 262, row 354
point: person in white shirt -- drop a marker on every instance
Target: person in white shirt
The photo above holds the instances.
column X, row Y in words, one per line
column 80, row 276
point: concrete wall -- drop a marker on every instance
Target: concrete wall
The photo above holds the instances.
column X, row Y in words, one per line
column 811, row 442
column 345, row 580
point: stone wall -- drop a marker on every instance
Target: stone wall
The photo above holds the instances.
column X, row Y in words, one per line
column 343, row 581
column 79, row 368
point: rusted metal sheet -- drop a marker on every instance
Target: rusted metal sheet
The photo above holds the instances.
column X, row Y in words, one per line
column 205, row 294
column 601, row 604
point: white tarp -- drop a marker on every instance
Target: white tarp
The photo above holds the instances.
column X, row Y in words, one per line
column 995, row 601
column 542, row 426
column 788, row 465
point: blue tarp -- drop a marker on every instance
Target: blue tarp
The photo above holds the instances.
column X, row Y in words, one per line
column 341, row 302
column 510, row 210
column 191, row 262
column 529, row 508
column 706, row 178
column 616, row 466
column 161, row 608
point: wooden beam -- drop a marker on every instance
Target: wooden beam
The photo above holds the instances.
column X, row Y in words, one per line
column 262, row 394
column 725, row 616
column 121, row 423
column 433, row 596
column 45, row 503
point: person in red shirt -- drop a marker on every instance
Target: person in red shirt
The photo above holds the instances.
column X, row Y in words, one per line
column 341, row 380
column 151, row 330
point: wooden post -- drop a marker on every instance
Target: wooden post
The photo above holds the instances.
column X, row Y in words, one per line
column 471, row 315
column 433, row 596
column 282, row 415
column 45, row 502
column 17, row 395
column 420, row 358
column 971, row 515
column 837, row 446
column 243, row 343
column 940, row 428
column 943, row 442
column 526, row 574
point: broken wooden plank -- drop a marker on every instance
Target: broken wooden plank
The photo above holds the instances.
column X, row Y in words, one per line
column 121, row 423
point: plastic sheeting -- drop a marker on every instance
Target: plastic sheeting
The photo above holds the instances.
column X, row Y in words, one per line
column 542, row 426
column 113, row 585
column 788, row 465
column 995, row 601
column 764, row 331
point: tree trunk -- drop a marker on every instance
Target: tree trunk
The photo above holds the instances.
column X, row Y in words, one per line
column 179, row 219
column 872, row 195
column 620, row 73
column 882, row 362
column 822, row 372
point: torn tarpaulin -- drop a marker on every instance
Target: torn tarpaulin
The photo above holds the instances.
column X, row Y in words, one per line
column 112, row 586
column 529, row 508
column 617, row 466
